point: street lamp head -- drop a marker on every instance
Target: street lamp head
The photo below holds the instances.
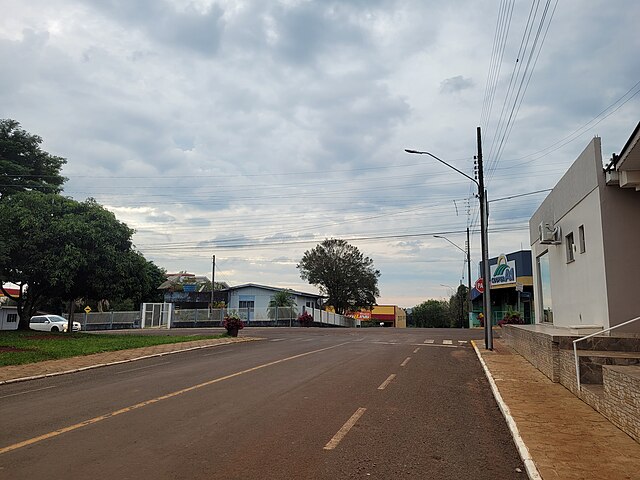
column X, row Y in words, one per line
column 408, row 150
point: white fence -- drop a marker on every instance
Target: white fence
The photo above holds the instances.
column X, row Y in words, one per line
column 107, row 320
column 159, row 315
column 280, row 316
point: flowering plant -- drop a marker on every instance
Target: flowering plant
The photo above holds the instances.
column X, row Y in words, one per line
column 305, row 319
column 511, row 317
column 232, row 321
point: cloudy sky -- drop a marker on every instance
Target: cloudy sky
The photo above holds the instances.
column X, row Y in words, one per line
column 252, row 130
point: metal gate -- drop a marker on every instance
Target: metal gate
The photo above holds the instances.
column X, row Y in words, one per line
column 156, row 315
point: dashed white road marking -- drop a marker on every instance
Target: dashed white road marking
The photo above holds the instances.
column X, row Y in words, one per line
column 333, row 443
column 416, row 350
column 406, row 360
column 276, row 339
column 447, row 342
column 462, row 341
column 384, row 384
column 27, row 391
column 429, row 341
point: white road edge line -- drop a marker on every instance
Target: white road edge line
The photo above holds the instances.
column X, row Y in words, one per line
column 333, row 443
column 141, row 368
column 406, row 360
column 416, row 350
column 27, row 391
column 384, row 384
column 529, row 464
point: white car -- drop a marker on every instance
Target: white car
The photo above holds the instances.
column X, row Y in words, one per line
column 51, row 323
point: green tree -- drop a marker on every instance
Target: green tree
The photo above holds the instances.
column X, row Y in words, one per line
column 459, row 307
column 341, row 272
column 431, row 314
column 281, row 300
column 56, row 247
column 24, row 165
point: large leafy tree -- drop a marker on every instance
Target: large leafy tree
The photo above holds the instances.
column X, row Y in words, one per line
column 431, row 314
column 56, row 247
column 342, row 273
column 24, row 166
column 459, row 307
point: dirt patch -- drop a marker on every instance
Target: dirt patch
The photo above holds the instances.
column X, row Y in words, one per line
column 14, row 349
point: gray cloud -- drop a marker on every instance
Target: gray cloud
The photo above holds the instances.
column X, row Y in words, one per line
column 455, row 84
column 212, row 122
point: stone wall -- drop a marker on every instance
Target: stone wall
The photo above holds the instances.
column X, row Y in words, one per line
column 622, row 398
column 538, row 348
column 617, row 399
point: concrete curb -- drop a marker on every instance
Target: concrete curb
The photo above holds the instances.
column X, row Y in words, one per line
column 529, row 464
column 128, row 360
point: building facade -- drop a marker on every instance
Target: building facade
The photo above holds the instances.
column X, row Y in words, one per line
column 511, row 288
column 585, row 237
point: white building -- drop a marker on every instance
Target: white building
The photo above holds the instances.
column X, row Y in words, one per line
column 255, row 298
column 8, row 318
column 585, row 240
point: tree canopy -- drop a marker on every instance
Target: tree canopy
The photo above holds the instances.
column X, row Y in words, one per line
column 342, row 273
column 56, row 247
column 24, row 166
column 431, row 314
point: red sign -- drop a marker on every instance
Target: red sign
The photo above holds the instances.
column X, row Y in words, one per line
column 480, row 285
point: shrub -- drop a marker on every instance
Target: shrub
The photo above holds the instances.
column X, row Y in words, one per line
column 232, row 321
column 305, row 319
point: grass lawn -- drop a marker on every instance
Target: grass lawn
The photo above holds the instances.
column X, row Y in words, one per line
column 18, row 347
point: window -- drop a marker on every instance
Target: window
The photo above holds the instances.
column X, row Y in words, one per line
column 570, row 247
column 544, row 281
column 38, row 319
column 12, row 318
column 583, row 247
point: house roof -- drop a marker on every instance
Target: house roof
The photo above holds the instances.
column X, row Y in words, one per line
column 274, row 289
column 627, row 164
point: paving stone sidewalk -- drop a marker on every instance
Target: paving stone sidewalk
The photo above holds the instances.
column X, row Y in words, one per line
column 566, row 438
column 14, row 373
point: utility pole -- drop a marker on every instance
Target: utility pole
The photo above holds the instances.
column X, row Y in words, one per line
column 484, row 221
column 468, row 277
column 213, row 282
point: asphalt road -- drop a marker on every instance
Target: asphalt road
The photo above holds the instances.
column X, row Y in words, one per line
column 301, row 404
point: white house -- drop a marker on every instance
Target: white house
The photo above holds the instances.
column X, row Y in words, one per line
column 255, row 299
column 585, row 240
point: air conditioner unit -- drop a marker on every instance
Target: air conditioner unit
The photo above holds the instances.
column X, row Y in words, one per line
column 548, row 235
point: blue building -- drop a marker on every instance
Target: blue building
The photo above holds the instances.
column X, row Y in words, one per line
column 511, row 287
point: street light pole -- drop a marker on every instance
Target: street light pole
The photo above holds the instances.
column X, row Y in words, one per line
column 484, row 217
column 468, row 260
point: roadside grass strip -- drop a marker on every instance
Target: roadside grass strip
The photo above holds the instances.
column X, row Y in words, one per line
column 337, row 438
column 32, row 346
column 100, row 418
column 386, row 383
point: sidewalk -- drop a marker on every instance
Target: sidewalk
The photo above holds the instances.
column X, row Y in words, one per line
column 565, row 437
column 48, row 368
